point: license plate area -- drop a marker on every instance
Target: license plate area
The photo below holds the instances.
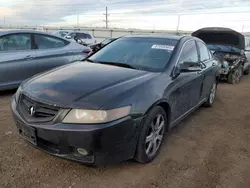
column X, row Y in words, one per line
column 26, row 132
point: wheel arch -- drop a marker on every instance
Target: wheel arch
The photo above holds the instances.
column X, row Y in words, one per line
column 166, row 107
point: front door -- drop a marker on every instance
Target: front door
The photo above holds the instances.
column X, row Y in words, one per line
column 186, row 88
column 16, row 59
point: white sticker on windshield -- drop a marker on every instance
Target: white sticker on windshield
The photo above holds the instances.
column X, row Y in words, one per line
column 163, row 47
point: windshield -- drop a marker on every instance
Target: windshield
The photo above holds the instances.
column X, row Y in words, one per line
column 222, row 48
column 150, row 54
column 84, row 36
column 61, row 33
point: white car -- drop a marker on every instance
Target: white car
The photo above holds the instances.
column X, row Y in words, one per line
column 61, row 33
column 81, row 37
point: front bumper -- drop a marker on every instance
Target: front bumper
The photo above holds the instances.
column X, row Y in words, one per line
column 106, row 143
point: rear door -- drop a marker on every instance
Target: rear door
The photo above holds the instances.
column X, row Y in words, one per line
column 51, row 52
column 16, row 59
column 208, row 68
column 187, row 86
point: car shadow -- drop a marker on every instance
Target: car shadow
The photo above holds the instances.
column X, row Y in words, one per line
column 7, row 93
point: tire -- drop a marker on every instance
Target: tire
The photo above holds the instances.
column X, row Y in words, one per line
column 143, row 153
column 235, row 76
column 212, row 95
column 246, row 72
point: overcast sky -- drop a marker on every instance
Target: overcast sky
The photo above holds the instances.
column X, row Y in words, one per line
column 145, row 14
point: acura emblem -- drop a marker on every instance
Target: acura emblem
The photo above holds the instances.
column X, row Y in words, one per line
column 32, row 111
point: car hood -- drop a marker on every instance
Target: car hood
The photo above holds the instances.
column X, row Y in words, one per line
column 68, row 85
column 221, row 36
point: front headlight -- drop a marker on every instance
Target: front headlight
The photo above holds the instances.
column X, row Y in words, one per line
column 96, row 116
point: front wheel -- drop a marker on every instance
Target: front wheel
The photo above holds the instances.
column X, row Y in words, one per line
column 212, row 95
column 152, row 135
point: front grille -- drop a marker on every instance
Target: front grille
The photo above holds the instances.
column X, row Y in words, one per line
column 34, row 111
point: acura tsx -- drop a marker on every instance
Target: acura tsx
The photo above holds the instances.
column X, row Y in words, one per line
column 118, row 103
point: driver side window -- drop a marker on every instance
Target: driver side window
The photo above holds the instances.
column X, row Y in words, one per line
column 204, row 53
column 189, row 52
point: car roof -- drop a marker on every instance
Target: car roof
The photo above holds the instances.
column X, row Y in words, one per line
column 63, row 31
column 4, row 32
column 22, row 31
column 164, row 36
column 77, row 31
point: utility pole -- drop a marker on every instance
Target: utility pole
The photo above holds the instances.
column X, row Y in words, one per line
column 178, row 24
column 106, row 15
column 4, row 20
column 78, row 21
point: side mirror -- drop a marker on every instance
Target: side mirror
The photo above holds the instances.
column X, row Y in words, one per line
column 187, row 66
column 68, row 37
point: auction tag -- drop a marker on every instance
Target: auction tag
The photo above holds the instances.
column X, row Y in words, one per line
column 163, row 47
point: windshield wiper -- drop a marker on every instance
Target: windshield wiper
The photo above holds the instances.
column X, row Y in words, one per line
column 118, row 64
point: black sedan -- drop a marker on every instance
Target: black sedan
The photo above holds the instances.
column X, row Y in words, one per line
column 117, row 104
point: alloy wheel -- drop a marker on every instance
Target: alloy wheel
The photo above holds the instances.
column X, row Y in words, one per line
column 212, row 94
column 155, row 135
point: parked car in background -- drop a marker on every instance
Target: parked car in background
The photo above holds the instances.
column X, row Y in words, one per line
column 119, row 102
column 247, row 48
column 24, row 53
column 61, row 33
column 81, row 37
column 229, row 47
column 98, row 46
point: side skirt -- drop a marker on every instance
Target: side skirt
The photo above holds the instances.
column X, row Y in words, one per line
column 179, row 119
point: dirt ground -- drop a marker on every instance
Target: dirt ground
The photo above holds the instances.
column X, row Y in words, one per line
column 211, row 148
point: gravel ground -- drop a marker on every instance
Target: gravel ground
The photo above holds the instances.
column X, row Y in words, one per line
column 209, row 149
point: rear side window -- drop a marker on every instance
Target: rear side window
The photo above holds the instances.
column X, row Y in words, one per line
column 48, row 42
column 204, row 54
column 189, row 52
column 84, row 36
column 72, row 35
column 15, row 42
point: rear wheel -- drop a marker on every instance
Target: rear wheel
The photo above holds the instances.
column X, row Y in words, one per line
column 247, row 71
column 235, row 76
column 212, row 95
column 152, row 135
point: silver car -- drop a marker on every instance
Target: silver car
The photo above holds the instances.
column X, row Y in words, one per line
column 24, row 53
column 82, row 37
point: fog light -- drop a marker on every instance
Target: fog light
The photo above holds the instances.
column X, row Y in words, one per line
column 82, row 151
